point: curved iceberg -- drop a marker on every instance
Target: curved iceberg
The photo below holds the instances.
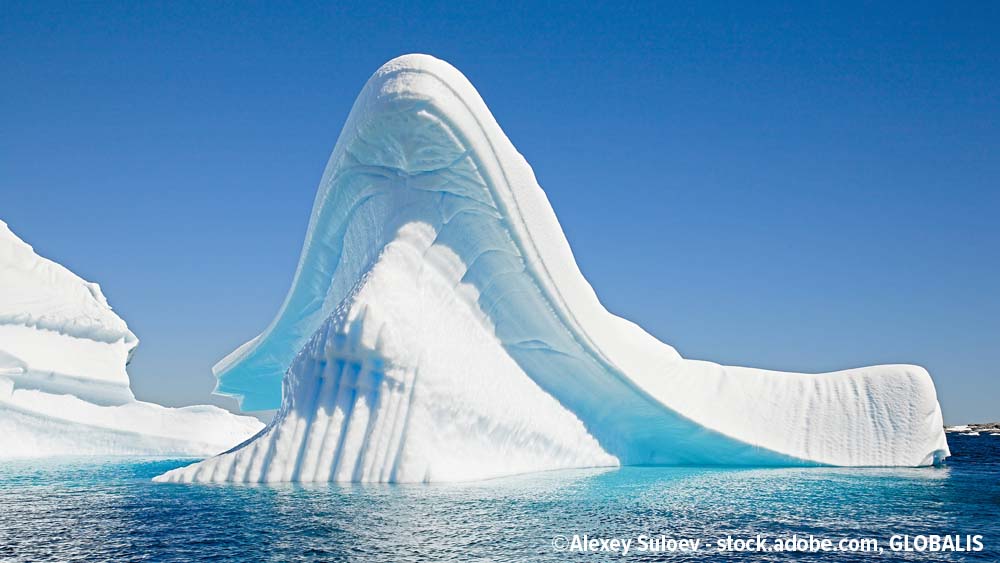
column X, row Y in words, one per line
column 438, row 328
column 63, row 385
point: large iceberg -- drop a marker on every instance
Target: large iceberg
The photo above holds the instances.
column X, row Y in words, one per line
column 63, row 385
column 438, row 328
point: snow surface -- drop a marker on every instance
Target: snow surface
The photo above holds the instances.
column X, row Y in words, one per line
column 438, row 328
column 63, row 385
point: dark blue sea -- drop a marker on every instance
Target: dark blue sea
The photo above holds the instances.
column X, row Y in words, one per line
column 109, row 510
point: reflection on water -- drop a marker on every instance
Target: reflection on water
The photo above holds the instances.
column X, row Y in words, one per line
column 109, row 510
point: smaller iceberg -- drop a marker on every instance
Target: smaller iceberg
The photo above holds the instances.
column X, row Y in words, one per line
column 64, row 389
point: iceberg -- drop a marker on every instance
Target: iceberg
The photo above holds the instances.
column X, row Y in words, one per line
column 64, row 389
column 438, row 329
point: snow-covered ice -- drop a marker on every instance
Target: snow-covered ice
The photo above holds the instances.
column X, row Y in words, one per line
column 438, row 328
column 63, row 385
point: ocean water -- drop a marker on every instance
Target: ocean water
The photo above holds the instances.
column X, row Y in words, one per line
column 109, row 510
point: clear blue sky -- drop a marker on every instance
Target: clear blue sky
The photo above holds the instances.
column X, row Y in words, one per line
column 803, row 188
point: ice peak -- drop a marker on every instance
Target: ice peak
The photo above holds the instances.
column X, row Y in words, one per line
column 430, row 226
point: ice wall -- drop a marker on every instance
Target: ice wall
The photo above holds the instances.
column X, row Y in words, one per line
column 423, row 185
column 63, row 385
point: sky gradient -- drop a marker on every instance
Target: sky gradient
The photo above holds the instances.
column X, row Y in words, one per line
column 806, row 188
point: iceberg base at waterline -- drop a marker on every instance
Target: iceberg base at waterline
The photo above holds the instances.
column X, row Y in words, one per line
column 64, row 389
column 439, row 329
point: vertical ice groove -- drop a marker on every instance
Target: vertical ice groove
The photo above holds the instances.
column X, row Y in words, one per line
column 401, row 395
column 406, row 419
column 257, row 459
column 321, row 417
column 335, row 427
column 346, row 404
column 372, row 385
column 352, row 442
column 307, row 419
column 374, row 439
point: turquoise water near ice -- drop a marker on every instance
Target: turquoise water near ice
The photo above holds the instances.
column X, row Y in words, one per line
column 109, row 510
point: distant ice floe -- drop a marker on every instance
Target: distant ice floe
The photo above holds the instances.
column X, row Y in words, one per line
column 438, row 329
column 63, row 385
column 991, row 428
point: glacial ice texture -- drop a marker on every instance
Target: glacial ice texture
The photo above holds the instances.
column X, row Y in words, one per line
column 438, row 328
column 64, row 389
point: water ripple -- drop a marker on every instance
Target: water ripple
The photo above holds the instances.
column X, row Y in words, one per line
column 108, row 510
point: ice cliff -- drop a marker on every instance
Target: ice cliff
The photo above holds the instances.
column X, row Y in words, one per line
column 63, row 385
column 438, row 328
